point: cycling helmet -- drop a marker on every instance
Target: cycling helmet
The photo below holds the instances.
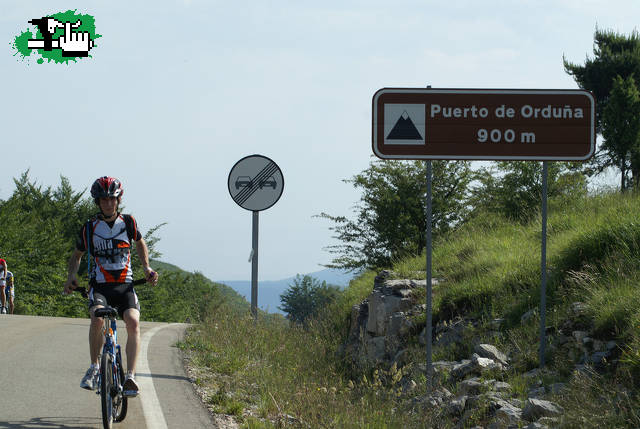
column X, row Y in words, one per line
column 105, row 187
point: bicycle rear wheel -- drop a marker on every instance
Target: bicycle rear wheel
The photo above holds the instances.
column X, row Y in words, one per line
column 106, row 389
column 121, row 400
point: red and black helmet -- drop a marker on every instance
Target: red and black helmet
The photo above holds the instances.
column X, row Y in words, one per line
column 105, row 187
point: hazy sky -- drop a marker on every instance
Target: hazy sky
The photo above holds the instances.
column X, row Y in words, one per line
column 177, row 91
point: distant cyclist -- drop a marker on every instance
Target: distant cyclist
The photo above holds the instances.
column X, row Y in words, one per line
column 9, row 292
column 3, row 282
column 108, row 238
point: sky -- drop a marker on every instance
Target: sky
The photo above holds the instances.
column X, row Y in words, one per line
column 177, row 91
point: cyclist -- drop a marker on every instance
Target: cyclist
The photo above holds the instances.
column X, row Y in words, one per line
column 9, row 291
column 108, row 237
column 3, row 276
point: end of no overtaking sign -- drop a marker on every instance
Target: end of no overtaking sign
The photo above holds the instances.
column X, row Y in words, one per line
column 255, row 183
column 483, row 124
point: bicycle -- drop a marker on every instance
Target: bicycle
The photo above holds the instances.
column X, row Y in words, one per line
column 111, row 380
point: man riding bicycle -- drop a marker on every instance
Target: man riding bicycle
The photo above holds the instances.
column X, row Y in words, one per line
column 3, row 276
column 9, row 292
column 108, row 238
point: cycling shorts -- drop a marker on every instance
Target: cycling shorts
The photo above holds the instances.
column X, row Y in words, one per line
column 9, row 291
column 3, row 282
column 121, row 297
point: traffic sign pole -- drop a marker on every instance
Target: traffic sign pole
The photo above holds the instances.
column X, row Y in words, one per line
column 255, row 183
column 543, row 267
column 254, row 266
column 429, row 328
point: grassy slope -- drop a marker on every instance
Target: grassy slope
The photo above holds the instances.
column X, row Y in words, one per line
column 491, row 269
column 183, row 296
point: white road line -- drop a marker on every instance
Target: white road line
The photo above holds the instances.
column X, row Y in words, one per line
column 150, row 403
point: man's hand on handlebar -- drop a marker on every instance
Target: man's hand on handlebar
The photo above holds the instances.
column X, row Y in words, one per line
column 70, row 285
column 151, row 276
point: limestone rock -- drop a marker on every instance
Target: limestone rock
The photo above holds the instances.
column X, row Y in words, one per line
column 509, row 415
column 456, row 406
column 491, row 352
column 536, row 408
column 470, row 387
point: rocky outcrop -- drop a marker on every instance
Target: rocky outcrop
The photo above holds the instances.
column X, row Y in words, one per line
column 381, row 324
column 496, row 398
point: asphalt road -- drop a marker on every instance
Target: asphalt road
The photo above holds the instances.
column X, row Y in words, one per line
column 43, row 359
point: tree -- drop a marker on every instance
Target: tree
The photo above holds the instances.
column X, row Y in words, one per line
column 615, row 55
column 514, row 188
column 390, row 220
column 621, row 128
column 305, row 298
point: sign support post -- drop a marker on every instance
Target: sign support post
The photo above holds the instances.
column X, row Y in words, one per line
column 254, row 265
column 484, row 124
column 255, row 183
column 543, row 267
column 428, row 274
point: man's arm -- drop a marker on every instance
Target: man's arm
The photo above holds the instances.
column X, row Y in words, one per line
column 143, row 254
column 4, row 270
column 74, row 264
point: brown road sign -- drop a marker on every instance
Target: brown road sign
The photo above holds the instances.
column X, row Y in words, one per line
column 483, row 124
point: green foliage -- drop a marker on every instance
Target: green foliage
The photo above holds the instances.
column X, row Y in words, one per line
column 39, row 229
column 390, row 222
column 306, row 297
column 599, row 401
column 621, row 128
column 288, row 376
column 615, row 54
column 490, row 268
column 616, row 59
column 514, row 189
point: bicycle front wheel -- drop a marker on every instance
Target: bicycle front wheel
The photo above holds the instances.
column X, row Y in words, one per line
column 106, row 389
column 121, row 401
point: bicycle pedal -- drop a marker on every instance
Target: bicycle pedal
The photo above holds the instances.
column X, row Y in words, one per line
column 130, row 393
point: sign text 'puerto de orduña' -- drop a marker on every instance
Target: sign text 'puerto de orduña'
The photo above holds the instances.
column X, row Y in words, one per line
column 483, row 124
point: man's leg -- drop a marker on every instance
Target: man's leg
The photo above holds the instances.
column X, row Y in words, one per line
column 95, row 335
column 90, row 379
column 4, row 296
column 131, row 317
column 11, row 302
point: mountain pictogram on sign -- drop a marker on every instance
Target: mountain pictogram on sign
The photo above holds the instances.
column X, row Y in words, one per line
column 404, row 129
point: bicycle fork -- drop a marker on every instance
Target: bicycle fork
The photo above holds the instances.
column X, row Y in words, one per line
column 111, row 347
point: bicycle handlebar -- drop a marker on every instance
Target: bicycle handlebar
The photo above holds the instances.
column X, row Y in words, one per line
column 85, row 293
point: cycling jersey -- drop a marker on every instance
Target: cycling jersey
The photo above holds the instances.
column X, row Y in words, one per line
column 9, row 287
column 109, row 244
column 3, row 263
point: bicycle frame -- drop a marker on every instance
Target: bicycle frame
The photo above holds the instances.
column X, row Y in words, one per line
column 111, row 347
column 111, row 379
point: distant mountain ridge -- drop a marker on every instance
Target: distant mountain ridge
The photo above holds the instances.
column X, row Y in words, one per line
column 269, row 291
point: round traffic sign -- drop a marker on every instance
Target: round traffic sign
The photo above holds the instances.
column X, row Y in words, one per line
column 255, row 183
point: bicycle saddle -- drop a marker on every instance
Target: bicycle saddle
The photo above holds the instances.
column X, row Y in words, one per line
column 106, row 311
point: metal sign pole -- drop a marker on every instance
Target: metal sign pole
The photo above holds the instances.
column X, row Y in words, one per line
column 428, row 272
column 255, row 183
column 254, row 267
column 543, row 267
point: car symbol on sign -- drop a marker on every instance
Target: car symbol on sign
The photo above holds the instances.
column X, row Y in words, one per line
column 269, row 181
column 244, row 181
